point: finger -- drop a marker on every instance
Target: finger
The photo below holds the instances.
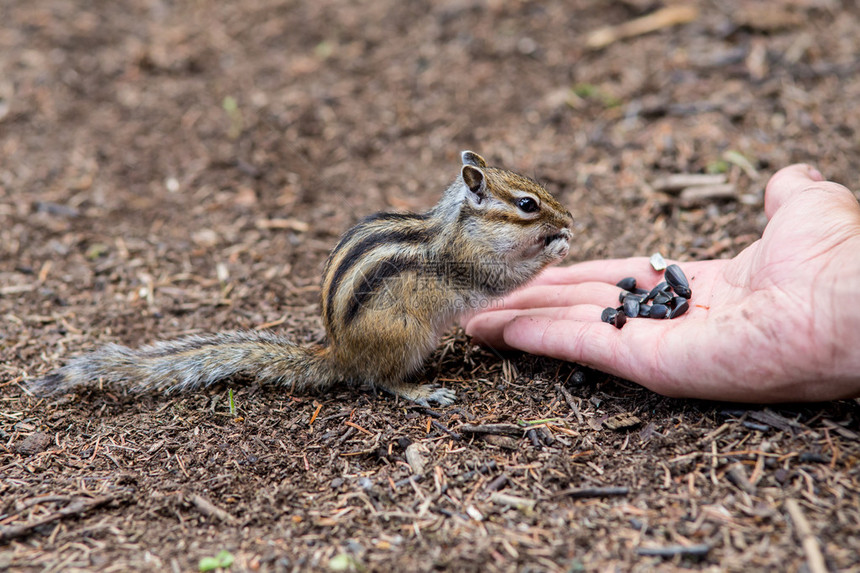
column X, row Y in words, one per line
column 608, row 271
column 554, row 295
column 488, row 327
column 628, row 352
column 699, row 274
column 787, row 183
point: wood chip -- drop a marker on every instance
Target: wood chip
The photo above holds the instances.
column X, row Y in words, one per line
column 676, row 183
column 521, row 503
column 706, row 193
column 699, row 550
column 844, row 432
column 33, row 444
column 283, row 224
column 583, row 492
column 500, row 441
column 17, row 289
column 767, row 17
column 498, row 483
column 737, row 475
column 415, row 457
column 209, row 509
column 771, row 418
column 621, row 421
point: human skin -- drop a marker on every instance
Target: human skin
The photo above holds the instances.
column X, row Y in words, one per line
column 780, row 322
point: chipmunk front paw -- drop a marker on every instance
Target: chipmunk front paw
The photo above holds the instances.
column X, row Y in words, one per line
column 556, row 246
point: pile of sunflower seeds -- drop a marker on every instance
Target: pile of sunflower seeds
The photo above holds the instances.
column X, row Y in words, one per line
column 669, row 299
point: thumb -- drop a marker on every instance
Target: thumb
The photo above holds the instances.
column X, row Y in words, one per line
column 787, row 183
column 798, row 201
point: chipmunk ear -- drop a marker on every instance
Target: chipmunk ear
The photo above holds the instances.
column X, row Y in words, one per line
column 473, row 159
column 474, row 180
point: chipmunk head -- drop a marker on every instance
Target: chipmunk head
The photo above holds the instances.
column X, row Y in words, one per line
column 512, row 215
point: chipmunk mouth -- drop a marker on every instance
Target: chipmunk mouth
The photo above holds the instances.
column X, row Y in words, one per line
column 563, row 234
column 550, row 238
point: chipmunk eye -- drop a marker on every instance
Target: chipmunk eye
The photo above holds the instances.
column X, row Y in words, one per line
column 527, row 205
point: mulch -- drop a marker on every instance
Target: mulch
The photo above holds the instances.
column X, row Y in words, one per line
column 178, row 168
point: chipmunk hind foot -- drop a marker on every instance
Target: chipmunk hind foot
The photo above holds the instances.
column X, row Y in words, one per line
column 421, row 394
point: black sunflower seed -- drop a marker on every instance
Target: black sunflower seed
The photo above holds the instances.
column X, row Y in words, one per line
column 659, row 310
column 662, row 287
column 676, row 279
column 631, row 306
column 681, row 306
column 608, row 315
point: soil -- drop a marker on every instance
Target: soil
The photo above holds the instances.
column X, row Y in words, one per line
column 170, row 168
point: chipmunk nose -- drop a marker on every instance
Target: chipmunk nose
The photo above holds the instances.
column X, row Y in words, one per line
column 565, row 224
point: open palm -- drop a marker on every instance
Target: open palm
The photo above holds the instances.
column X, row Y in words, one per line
column 772, row 324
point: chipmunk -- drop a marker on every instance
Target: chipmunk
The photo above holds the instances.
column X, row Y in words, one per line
column 390, row 287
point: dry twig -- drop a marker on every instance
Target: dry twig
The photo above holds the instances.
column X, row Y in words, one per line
column 699, row 550
column 581, row 492
column 209, row 509
column 669, row 16
column 499, row 429
column 77, row 507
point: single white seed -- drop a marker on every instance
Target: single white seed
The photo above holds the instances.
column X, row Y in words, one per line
column 658, row 262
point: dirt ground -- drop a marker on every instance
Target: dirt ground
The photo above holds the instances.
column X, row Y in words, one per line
column 178, row 167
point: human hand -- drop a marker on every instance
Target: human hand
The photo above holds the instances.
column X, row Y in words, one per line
column 779, row 322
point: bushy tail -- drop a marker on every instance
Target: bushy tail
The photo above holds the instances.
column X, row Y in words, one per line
column 196, row 361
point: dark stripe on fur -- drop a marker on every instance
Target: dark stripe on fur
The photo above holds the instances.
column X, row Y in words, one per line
column 505, row 217
column 488, row 277
column 361, row 248
column 350, row 233
column 373, row 280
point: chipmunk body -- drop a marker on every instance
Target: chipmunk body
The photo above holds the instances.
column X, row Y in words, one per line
column 391, row 286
